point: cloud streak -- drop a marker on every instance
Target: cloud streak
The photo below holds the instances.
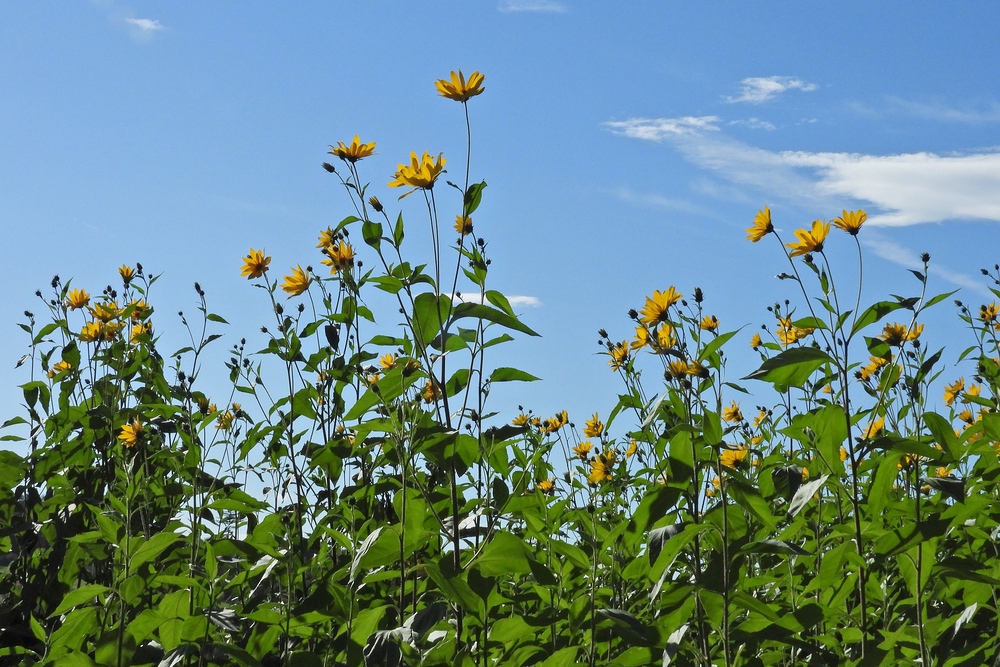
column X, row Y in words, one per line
column 145, row 25
column 544, row 6
column 760, row 89
column 904, row 189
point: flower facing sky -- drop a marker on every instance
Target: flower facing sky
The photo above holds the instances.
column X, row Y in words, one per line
column 811, row 241
column 77, row 298
column 354, row 152
column 460, row 89
column 851, row 221
column 339, row 256
column 126, row 272
column 897, row 334
column 255, row 264
column 420, row 173
column 656, row 307
column 761, row 225
column 296, row 283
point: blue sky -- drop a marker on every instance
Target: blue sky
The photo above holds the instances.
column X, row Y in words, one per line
column 627, row 147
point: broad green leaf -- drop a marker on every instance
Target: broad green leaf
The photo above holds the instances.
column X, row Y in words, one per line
column 506, row 554
column 78, row 596
column 804, row 494
column 792, row 367
column 503, row 374
column 153, row 548
column 490, row 314
column 873, row 314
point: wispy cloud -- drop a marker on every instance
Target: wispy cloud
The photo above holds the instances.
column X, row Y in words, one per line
column 658, row 129
column 903, row 189
column 651, row 200
column 754, row 123
column 893, row 252
column 515, row 301
column 549, row 6
column 758, row 89
column 949, row 114
column 145, row 25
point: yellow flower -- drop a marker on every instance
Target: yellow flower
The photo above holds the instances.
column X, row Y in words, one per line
column 430, row 393
column 733, row 458
column 556, row 422
column 105, row 311
column 458, row 88
column 59, row 367
column 224, row 421
column 593, row 428
column 851, row 221
column 619, row 355
column 296, row 283
column 139, row 330
column 420, row 173
column 874, row 428
column 805, row 474
column 709, row 323
column 665, row 336
column 843, row 453
column 521, row 420
column 77, row 298
column 463, row 225
column 126, row 272
column 759, row 419
column 633, row 447
column 988, row 313
column 943, row 471
column 655, row 310
column 91, row 332
column 788, row 333
column 255, row 264
column 339, row 256
column 130, row 434
column 354, row 152
column 873, row 367
column 951, row 391
column 601, row 467
column 966, row 416
column 139, row 309
column 326, row 237
column 678, row 368
column 387, row 360
column 375, row 203
column 642, row 338
column 811, row 241
column 583, row 450
column 697, row 369
column 756, row 341
column 761, row 225
column 546, row 486
column 732, row 414
column 897, row 334
column 972, row 392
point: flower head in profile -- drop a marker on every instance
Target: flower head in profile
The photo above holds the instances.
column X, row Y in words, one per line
column 296, row 283
column 761, row 225
column 756, row 341
column 709, row 323
column 126, row 272
column 655, row 310
column 953, row 390
column 387, row 360
column 140, row 331
column 105, row 311
column 339, row 256
column 874, row 427
column 60, row 367
column 460, row 89
column 851, row 221
column 583, row 450
column 255, row 264
column 732, row 414
column 91, row 332
column 556, row 422
column 420, row 173
column 463, row 225
column 633, row 447
column 594, row 427
column 130, row 434
column 77, row 299
column 430, row 393
column 354, row 152
column 547, row 486
column 619, row 355
column 897, row 334
column 811, row 241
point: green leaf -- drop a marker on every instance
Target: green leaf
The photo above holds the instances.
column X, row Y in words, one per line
column 792, row 367
column 397, row 231
column 505, row 554
column 473, row 196
column 749, row 498
column 372, row 233
column 774, row 547
column 952, row 487
column 804, row 494
column 78, row 596
column 429, row 315
column 873, row 314
column 490, row 314
column 153, row 548
column 504, row 374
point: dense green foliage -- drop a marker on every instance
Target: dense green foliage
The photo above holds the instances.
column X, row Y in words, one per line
column 354, row 501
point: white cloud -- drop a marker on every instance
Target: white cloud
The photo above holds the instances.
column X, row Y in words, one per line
column 514, row 301
column 941, row 112
column 658, row 129
column 898, row 190
column 145, row 25
column 754, row 123
column 758, row 89
column 650, row 200
column 549, row 6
